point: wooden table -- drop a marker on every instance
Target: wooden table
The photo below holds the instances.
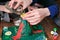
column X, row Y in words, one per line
column 47, row 23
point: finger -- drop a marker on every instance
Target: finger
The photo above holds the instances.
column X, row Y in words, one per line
column 34, row 23
column 11, row 4
column 29, row 14
column 6, row 10
column 18, row 4
column 33, row 20
column 30, row 8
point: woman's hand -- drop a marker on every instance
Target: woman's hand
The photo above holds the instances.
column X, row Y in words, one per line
column 3, row 8
column 37, row 15
column 24, row 3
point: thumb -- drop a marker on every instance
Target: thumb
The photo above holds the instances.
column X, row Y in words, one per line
column 30, row 8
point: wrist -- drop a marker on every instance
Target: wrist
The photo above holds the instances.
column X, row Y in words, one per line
column 46, row 10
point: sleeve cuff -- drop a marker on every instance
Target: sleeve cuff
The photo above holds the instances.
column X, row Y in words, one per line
column 53, row 10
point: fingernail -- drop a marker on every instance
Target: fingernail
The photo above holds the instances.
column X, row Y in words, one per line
column 14, row 7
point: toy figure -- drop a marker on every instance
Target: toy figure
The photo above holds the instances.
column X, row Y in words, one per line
column 54, row 34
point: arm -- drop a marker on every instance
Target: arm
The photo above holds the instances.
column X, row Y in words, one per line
column 53, row 10
column 3, row 8
column 50, row 4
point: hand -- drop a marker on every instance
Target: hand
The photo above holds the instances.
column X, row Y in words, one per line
column 3, row 8
column 24, row 3
column 37, row 15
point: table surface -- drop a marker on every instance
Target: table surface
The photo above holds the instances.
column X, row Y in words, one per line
column 47, row 24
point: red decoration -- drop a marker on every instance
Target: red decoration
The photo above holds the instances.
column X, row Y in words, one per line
column 37, row 31
column 55, row 37
column 19, row 32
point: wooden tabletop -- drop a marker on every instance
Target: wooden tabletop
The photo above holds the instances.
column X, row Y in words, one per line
column 47, row 24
